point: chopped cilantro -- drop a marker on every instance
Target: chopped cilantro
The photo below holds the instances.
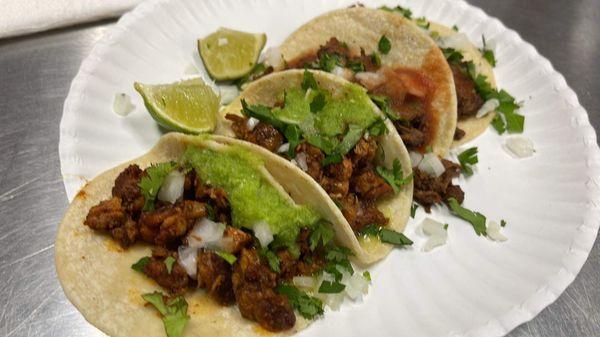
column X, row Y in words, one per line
column 327, row 62
column 467, row 158
column 352, row 137
column 488, row 54
column 407, row 13
column 370, row 230
column 331, row 269
column 263, row 114
column 272, row 259
column 384, row 45
column 169, row 261
column 367, row 275
column 308, row 81
column 413, row 210
column 446, row 226
column 338, row 254
column 174, row 312
column 309, row 307
column 422, row 22
column 332, row 159
column 393, row 237
column 499, row 124
column 328, row 287
column 378, row 128
column 502, row 223
column 376, row 59
column 318, row 103
column 151, row 183
column 355, row 65
column 455, row 28
column 230, row 258
column 383, row 103
column 293, row 134
column 323, row 143
column 322, row 233
column 476, row 219
column 139, row 266
column 394, row 177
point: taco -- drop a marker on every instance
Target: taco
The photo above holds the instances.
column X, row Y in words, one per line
column 329, row 129
column 401, row 67
column 204, row 212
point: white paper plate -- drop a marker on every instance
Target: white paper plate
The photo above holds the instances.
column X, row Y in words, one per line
column 471, row 286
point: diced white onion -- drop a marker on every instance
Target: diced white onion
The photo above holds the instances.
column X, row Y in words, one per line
column 304, row 281
column 222, row 41
column 356, row 286
column 284, row 148
column 206, row 234
column 434, row 241
column 432, row 227
column 342, row 72
column 487, row 107
column 263, row 233
column 187, row 259
column 251, row 123
column 300, row 161
column 458, row 41
column 493, row 231
column 273, row 57
column 307, row 94
column 370, row 79
column 191, row 69
column 432, row 165
column 415, row 158
column 172, row 188
column 520, row 147
column 122, row 104
column 228, row 93
column 334, row 301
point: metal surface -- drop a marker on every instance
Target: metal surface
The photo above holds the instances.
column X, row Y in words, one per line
column 35, row 74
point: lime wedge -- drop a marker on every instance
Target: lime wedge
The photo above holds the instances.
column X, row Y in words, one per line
column 188, row 106
column 230, row 54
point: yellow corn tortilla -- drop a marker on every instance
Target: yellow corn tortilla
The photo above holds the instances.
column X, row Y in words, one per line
column 361, row 27
column 266, row 91
column 472, row 126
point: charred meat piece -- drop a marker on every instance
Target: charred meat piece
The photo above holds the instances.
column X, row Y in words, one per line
column 411, row 136
column 369, row 185
column 335, row 188
column 340, row 171
column 126, row 187
column 253, row 285
column 214, row 274
column 217, row 197
column 458, row 134
column 314, row 159
column 368, row 214
column 262, row 134
column 110, row 216
column 176, row 281
column 468, row 99
column 433, row 190
column 364, row 153
column 235, row 239
column 170, row 223
column 287, row 264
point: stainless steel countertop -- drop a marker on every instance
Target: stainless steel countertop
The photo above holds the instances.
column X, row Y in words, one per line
column 35, row 74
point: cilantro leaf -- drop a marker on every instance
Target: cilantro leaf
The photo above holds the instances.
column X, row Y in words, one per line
column 446, row 226
column 394, row 177
column 151, row 183
column 327, row 62
column 407, row 13
column 370, row 230
column 413, row 210
column 422, row 22
column 476, row 219
column 467, row 158
column 352, row 137
column 332, row 159
column 502, row 223
column 322, row 233
column 393, row 237
column 455, row 28
column 384, row 45
column 272, row 259
column 378, row 128
column 355, row 65
column 323, row 143
column 139, row 266
column 169, row 261
column 367, row 275
column 488, row 54
column 331, row 268
column 338, row 254
column 499, row 124
column 318, row 103
column 174, row 312
column 230, row 258
column 328, row 287
column 383, row 103
column 308, row 81
column 309, row 307
column 376, row 59
column 263, row 114
column 293, row 134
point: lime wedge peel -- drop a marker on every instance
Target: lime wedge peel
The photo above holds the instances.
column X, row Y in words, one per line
column 230, row 54
column 189, row 106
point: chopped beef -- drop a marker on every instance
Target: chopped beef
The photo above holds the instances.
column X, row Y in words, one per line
column 336, row 188
column 235, row 239
column 217, row 197
column 468, row 99
column 369, row 185
column 314, row 159
column 431, row 190
column 262, row 134
column 110, row 216
column 360, row 213
column 458, row 134
column 170, row 223
column 126, row 187
column 214, row 274
column 364, row 153
column 253, row 285
column 412, row 137
column 288, row 265
column 334, row 48
column 176, row 281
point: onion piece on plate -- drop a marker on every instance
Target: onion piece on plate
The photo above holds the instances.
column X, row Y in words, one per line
column 520, row 147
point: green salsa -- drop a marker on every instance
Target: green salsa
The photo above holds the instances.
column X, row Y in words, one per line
column 251, row 196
